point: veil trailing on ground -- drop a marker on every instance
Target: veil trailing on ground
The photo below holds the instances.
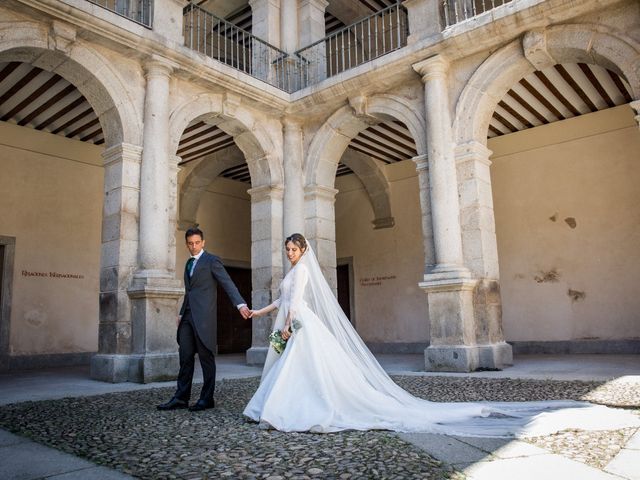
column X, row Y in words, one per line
column 399, row 410
column 321, row 300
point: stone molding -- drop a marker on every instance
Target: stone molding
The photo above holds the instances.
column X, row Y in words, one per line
column 635, row 105
column 473, row 151
column 266, row 192
column 122, row 151
column 534, row 45
column 433, row 67
column 321, row 192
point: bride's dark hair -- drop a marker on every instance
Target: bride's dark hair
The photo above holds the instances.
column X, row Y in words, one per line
column 297, row 239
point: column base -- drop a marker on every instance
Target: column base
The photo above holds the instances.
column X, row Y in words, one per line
column 137, row 368
column 257, row 355
column 463, row 358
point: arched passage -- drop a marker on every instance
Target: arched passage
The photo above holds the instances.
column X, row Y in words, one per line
column 214, row 136
column 56, row 190
column 549, row 184
column 360, row 159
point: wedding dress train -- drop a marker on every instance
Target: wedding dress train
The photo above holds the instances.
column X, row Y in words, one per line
column 326, row 380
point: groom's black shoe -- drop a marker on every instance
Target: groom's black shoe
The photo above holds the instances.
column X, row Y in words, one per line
column 202, row 405
column 173, row 404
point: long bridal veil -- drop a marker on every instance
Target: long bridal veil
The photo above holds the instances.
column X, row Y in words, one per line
column 409, row 413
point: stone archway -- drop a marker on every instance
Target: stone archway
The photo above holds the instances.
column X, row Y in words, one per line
column 56, row 48
column 324, row 153
column 259, row 143
column 537, row 50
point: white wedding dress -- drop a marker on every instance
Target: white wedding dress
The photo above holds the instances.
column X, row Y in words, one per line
column 326, row 380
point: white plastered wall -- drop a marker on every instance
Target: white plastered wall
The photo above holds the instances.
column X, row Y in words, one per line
column 51, row 202
column 387, row 310
column 566, row 202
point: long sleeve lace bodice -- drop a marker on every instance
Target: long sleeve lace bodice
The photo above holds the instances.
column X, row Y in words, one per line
column 292, row 290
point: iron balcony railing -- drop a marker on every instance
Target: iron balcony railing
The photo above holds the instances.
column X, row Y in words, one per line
column 456, row 11
column 361, row 42
column 140, row 11
column 353, row 45
column 233, row 46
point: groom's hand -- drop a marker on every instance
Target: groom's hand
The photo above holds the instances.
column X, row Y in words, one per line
column 245, row 312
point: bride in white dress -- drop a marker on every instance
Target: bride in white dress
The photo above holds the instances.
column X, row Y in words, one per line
column 327, row 380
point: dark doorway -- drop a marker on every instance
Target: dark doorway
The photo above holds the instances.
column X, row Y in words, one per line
column 344, row 289
column 234, row 333
column 1, row 270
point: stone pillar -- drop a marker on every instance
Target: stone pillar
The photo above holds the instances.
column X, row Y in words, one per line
column 448, row 284
column 289, row 25
column 480, row 249
column 265, row 26
column 442, row 170
column 422, row 167
column 118, row 261
column 153, row 291
column 154, row 173
column 636, row 108
column 293, row 178
column 320, row 226
column 425, row 19
column 312, row 29
column 168, row 18
column 266, row 262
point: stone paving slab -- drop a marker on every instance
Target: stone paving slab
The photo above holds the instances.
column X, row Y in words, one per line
column 7, row 439
column 29, row 461
column 446, row 449
column 537, row 467
column 502, row 448
column 626, row 464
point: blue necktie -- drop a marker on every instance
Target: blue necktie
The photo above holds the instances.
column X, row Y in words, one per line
column 190, row 264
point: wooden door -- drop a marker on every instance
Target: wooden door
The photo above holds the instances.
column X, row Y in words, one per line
column 234, row 333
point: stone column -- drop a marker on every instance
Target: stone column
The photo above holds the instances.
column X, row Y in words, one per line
column 293, row 178
column 154, row 173
column 636, row 108
column 118, row 260
column 265, row 26
column 442, row 170
column 312, row 29
column 153, row 292
column 320, row 226
column 266, row 262
column 425, row 19
column 480, row 250
column 289, row 25
column 448, row 284
column 168, row 18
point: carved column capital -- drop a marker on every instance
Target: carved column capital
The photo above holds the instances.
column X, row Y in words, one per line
column 432, row 68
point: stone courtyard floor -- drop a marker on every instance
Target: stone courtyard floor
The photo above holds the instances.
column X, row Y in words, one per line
column 124, row 432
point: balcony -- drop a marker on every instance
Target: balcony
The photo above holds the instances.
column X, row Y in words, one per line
column 456, row 11
column 139, row 11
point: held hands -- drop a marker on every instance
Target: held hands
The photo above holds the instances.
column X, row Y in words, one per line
column 245, row 312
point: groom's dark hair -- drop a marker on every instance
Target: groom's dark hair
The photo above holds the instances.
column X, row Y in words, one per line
column 194, row 231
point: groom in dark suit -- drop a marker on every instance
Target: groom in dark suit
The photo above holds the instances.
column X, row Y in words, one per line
column 197, row 321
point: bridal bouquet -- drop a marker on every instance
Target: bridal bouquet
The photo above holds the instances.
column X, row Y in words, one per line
column 277, row 342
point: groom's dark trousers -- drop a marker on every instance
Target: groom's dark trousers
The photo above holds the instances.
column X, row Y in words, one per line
column 197, row 329
column 190, row 344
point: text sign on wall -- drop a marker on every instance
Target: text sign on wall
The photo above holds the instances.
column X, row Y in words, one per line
column 375, row 281
column 28, row 273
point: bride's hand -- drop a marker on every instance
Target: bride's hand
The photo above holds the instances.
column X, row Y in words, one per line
column 254, row 313
column 286, row 332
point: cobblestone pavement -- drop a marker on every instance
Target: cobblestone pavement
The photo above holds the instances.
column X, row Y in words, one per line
column 124, row 431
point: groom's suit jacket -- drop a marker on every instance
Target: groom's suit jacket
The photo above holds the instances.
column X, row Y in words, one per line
column 201, row 291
